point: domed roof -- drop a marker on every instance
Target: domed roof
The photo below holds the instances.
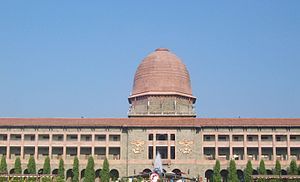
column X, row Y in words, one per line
column 162, row 72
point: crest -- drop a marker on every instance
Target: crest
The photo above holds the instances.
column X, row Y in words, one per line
column 186, row 146
column 138, row 146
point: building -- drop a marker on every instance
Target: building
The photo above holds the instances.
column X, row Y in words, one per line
column 162, row 119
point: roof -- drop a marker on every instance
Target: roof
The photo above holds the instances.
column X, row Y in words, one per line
column 161, row 72
column 150, row 122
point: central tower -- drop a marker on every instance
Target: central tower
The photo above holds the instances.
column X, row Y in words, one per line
column 162, row 87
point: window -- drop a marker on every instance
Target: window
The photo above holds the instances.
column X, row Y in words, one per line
column 223, row 137
column 43, row 137
column 72, row 137
column 150, row 137
column 161, row 137
column 16, row 137
column 266, row 137
column 3, row 137
column 172, row 152
column 238, row 138
column 173, row 137
column 163, row 150
column 57, row 137
column 86, row 138
column 209, row 138
column 252, row 138
column 150, row 152
column 114, row 138
column 100, row 137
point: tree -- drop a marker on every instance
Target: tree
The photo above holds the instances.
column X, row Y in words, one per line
column 89, row 174
column 18, row 166
column 31, row 166
column 262, row 168
column 216, row 175
column 277, row 170
column 75, row 170
column 3, row 168
column 248, row 171
column 299, row 169
column 61, row 170
column 3, row 165
column 293, row 169
column 232, row 172
column 46, row 169
column 104, row 174
column 17, row 169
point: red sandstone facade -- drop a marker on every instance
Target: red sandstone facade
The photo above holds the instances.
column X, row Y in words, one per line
column 161, row 119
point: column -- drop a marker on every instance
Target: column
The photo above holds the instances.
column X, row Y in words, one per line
column 8, row 146
column 107, row 146
column 245, row 147
column 216, row 146
column 230, row 147
column 64, row 147
column 288, row 146
column 259, row 147
column 93, row 144
column 22, row 146
column 169, row 147
column 50, row 145
column 274, row 147
column 36, row 147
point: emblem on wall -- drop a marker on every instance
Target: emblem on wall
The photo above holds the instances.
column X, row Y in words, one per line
column 138, row 146
column 186, row 146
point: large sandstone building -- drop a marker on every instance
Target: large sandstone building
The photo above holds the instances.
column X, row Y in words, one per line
column 162, row 119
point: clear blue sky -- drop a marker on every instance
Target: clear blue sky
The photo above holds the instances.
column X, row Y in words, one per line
column 78, row 58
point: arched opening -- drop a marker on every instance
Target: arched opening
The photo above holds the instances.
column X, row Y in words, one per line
column 269, row 172
column 208, row 175
column 147, row 171
column 240, row 174
column 12, row 171
column 69, row 173
column 283, row 172
column 97, row 173
column 26, row 171
column 254, row 172
column 177, row 172
column 40, row 171
column 82, row 174
column 114, row 174
column 55, row 171
column 224, row 174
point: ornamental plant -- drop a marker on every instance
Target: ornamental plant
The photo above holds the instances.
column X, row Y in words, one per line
column 277, row 170
column 61, row 170
column 89, row 174
column 248, row 171
column 75, row 170
column 216, row 174
column 233, row 177
column 104, row 174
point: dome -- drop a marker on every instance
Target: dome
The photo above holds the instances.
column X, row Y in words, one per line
column 162, row 73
